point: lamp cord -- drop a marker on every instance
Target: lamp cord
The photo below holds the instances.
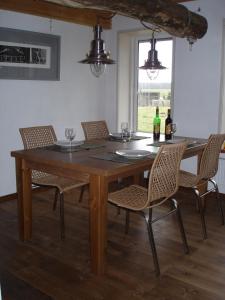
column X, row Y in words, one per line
column 191, row 40
column 154, row 29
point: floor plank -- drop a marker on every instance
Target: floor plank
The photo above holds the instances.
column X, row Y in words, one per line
column 48, row 268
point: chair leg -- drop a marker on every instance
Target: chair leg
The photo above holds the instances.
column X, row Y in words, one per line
column 197, row 207
column 202, row 214
column 218, row 199
column 121, row 185
column 62, row 223
column 152, row 242
column 127, row 221
column 118, row 211
column 181, row 226
column 220, row 202
column 55, row 199
column 81, row 193
column 120, row 182
column 221, row 209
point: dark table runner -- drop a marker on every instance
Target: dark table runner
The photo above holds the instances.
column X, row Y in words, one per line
column 118, row 138
column 120, row 159
column 85, row 146
column 190, row 143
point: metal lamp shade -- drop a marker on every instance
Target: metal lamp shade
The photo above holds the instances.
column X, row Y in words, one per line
column 97, row 58
column 152, row 64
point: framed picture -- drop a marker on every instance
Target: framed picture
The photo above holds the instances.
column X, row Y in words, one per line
column 28, row 55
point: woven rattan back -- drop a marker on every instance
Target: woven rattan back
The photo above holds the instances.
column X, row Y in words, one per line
column 95, row 130
column 210, row 157
column 39, row 136
column 164, row 175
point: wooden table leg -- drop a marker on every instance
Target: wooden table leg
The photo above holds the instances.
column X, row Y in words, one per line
column 23, row 181
column 98, row 218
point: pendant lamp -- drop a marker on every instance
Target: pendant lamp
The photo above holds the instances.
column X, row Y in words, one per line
column 97, row 57
column 152, row 64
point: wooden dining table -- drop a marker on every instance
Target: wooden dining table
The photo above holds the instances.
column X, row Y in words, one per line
column 89, row 164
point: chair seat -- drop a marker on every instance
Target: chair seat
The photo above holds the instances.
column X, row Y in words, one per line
column 187, row 179
column 133, row 197
column 62, row 183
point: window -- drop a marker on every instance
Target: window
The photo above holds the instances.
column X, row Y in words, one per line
column 152, row 93
column 138, row 96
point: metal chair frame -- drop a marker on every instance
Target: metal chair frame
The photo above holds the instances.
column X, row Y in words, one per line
column 150, row 221
column 204, row 177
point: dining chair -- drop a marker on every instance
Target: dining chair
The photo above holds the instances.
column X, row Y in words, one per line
column 203, row 183
column 163, row 184
column 95, row 130
column 41, row 136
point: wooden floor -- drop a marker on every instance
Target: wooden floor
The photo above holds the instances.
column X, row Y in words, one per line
column 48, row 268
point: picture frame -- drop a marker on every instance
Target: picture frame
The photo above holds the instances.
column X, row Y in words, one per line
column 27, row 55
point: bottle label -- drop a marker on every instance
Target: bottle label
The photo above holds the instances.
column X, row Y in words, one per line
column 168, row 129
column 156, row 128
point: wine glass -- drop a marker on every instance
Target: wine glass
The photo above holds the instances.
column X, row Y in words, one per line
column 70, row 134
column 124, row 131
column 173, row 129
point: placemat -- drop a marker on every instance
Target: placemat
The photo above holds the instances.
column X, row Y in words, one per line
column 190, row 144
column 85, row 146
column 193, row 144
column 120, row 159
column 158, row 144
column 89, row 146
column 117, row 138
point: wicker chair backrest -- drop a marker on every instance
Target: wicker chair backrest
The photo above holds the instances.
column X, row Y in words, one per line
column 95, row 130
column 210, row 157
column 39, row 136
column 164, row 175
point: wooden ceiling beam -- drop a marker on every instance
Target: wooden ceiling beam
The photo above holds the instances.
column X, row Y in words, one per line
column 180, row 1
column 168, row 15
column 45, row 9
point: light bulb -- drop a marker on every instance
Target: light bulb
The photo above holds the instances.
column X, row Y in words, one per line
column 97, row 69
column 152, row 73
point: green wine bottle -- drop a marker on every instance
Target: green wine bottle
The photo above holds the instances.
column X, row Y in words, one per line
column 156, row 125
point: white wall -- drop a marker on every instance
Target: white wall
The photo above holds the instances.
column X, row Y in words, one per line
column 75, row 98
column 198, row 75
column 197, row 81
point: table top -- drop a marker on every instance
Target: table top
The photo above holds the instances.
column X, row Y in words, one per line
column 83, row 161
